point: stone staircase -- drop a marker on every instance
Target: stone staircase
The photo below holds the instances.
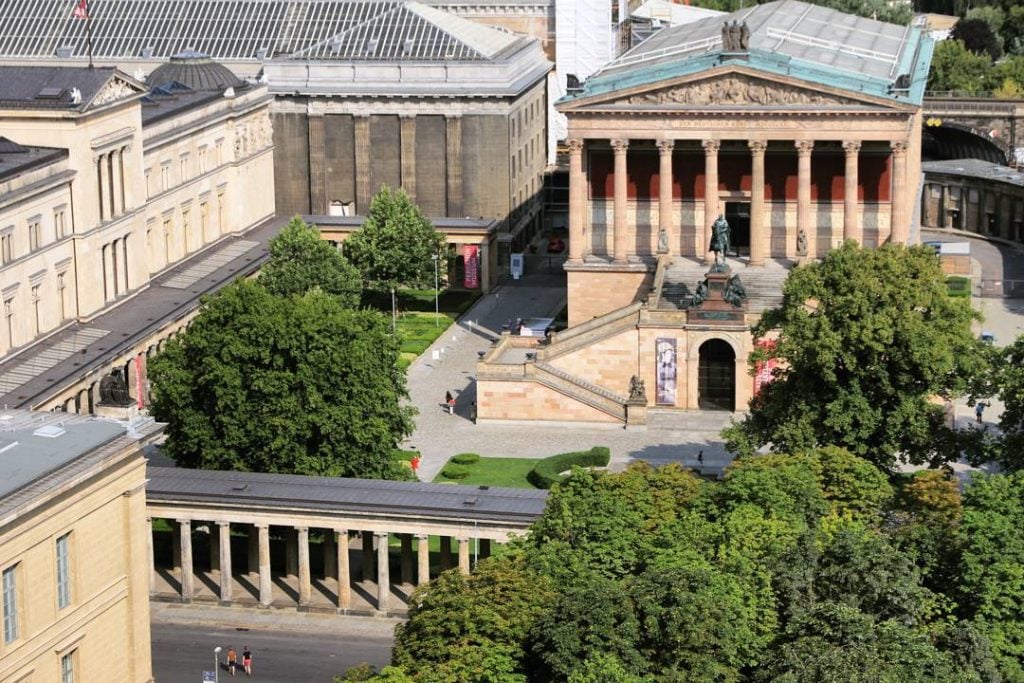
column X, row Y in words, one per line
column 763, row 283
column 587, row 333
column 580, row 390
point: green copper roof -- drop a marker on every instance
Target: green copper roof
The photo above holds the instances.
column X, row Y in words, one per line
column 787, row 38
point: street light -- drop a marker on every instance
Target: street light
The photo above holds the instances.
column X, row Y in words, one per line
column 216, row 664
column 436, row 306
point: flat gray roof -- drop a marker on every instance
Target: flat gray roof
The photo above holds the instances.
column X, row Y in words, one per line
column 976, row 168
column 170, row 484
column 27, row 453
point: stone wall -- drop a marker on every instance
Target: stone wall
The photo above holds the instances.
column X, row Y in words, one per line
column 522, row 400
column 594, row 293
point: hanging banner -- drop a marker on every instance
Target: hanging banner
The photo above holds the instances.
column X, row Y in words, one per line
column 763, row 368
column 472, row 278
column 140, row 384
column 665, row 372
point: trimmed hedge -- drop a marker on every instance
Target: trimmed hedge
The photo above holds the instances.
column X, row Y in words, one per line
column 407, row 456
column 466, row 459
column 455, row 472
column 958, row 286
column 548, row 472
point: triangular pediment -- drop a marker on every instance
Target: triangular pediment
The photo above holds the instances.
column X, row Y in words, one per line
column 727, row 89
column 116, row 88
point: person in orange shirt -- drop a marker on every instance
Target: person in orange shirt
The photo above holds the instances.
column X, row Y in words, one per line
column 232, row 660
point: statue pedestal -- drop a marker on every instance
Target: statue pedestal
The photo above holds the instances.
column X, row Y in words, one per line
column 116, row 412
column 715, row 310
column 636, row 412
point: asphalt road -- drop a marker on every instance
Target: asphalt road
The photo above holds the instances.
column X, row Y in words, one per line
column 181, row 652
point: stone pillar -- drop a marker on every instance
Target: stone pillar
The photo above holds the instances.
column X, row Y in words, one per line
column 266, row 588
column 422, row 559
column 406, row 558
column 577, row 201
column 446, row 552
column 666, row 220
column 757, row 207
column 344, row 577
column 945, row 218
column 214, row 549
column 317, row 165
column 187, row 580
column 253, row 552
column 116, row 194
column 366, row 555
column 464, row 555
column 453, row 157
column 408, row 124
column 104, row 182
column 900, row 230
column 619, row 215
column 291, row 553
column 224, row 538
column 150, row 561
column 485, row 266
column 803, row 197
column 851, row 200
column 304, row 578
column 485, row 548
column 711, row 148
column 175, row 545
column 383, row 579
column 362, row 144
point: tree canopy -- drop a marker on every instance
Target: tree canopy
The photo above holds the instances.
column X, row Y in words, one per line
column 300, row 261
column 781, row 572
column 954, row 67
column 297, row 385
column 866, row 339
column 1009, row 381
column 396, row 245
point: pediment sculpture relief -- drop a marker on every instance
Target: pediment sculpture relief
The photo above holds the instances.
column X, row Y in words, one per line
column 115, row 89
column 736, row 89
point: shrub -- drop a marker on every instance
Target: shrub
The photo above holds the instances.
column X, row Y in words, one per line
column 455, row 472
column 466, row 459
column 407, row 456
column 416, row 346
column 958, row 286
column 548, row 472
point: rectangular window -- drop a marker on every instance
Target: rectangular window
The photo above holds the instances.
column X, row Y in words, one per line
column 7, row 247
column 183, row 163
column 60, row 226
column 202, row 160
column 67, row 668
column 165, row 177
column 63, row 572
column 10, row 604
column 149, row 183
column 34, row 234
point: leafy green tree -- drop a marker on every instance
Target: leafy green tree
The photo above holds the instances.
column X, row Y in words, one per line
column 473, row 629
column 1010, row 381
column 396, row 245
column 978, row 37
column 992, row 572
column 300, row 261
column 867, row 337
column 1013, row 31
column 300, row 385
column 954, row 67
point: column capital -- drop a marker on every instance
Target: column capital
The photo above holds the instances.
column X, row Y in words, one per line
column 899, row 147
column 711, row 146
column 575, row 145
column 227, row 524
column 381, row 534
column 422, row 537
column 757, row 146
column 449, row 117
column 184, row 522
column 804, row 147
column 620, row 145
column 851, row 146
column 665, row 147
column 407, row 115
column 302, row 528
column 262, row 526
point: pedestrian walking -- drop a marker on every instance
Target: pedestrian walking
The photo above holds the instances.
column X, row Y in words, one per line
column 700, row 459
column 449, row 401
column 247, row 660
column 979, row 408
column 232, row 660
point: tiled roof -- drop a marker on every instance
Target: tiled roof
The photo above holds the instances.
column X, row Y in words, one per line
column 50, row 87
column 244, row 30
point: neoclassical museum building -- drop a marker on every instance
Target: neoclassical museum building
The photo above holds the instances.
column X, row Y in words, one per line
column 799, row 124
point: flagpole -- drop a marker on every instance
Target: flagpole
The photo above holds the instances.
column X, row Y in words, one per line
column 88, row 30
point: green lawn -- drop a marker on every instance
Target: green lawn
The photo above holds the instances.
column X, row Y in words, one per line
column 418, row 326
column 509, row 472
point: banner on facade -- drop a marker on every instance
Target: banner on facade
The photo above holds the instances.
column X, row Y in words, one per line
column 665, row 372
column 472, row 278
column 140, row 384
column 763, row 368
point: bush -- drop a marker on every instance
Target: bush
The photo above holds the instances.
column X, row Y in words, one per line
column 466, row 459
column 406, row 456
column 416, row 346
column 959, row 287
column 455, row 472
column 548, row 472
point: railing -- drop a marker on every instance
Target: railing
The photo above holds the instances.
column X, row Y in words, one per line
column 580, row 335
column 581, row 390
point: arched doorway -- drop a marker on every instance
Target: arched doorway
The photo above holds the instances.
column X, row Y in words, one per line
column 716, row 376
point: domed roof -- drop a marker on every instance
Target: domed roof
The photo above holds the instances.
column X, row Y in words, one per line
column 195, row 70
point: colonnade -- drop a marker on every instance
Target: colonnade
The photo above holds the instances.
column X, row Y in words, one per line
column 579, row 237
column 373, row 559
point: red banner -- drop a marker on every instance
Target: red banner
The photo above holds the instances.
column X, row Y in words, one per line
column 763, row 368
column 472, row 278
column 140, row 383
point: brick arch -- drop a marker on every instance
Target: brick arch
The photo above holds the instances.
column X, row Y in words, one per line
column 954, row 140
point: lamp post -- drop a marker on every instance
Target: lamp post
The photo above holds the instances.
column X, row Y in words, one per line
column 437, row 313
column 216, row 664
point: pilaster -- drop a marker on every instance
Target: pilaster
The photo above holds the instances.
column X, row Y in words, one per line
column 851, row 218
column 804, row 148
column 711, row 148
column 362, row 145
column 620, row 147
column 757, row 208
column 577, row 200
column 408, row 133
column 453, row 157
column 666, row 219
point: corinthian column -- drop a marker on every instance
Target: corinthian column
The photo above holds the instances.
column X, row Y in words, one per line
column 665, row 217
column 619, row 214
column 803, row 196
column 711, row 148
column 851, row 221
column 757, row 211
column 577, row 199
column 900, row 230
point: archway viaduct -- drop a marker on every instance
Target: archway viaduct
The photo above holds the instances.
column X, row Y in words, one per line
column 997, row 125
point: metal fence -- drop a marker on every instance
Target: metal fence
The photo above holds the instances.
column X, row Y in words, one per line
column 1011, row 289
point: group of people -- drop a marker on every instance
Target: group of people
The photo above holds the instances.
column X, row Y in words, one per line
column 246, row 660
